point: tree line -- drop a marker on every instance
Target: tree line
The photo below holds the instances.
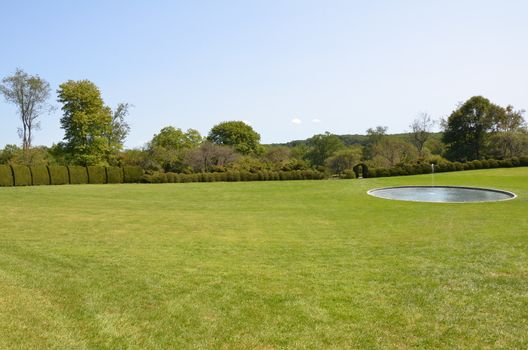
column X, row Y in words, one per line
column 94, row 134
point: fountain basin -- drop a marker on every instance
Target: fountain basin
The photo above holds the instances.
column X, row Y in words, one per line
column 442, row 194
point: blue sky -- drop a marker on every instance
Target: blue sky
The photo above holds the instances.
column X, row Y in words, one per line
column 338, row 66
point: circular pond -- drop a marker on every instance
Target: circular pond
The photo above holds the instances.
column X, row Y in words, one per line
column 442, row 194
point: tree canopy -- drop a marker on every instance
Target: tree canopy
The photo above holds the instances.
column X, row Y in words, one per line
column 90, row 133
column 237, row 134
column 321, row 147
column 469, row 128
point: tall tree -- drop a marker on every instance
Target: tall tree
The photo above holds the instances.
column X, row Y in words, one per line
column 88, row 124
column 467, row 128
column 120, row 127
column 30, row 94
column 421, row 129
column 344, row 159
column 374, row 136
column 321, row 147
column 237, row 134
column 174, row 138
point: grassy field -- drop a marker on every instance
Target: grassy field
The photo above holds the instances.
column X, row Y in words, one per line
column 264, row 265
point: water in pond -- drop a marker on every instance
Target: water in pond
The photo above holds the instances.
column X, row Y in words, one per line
column 441, row 194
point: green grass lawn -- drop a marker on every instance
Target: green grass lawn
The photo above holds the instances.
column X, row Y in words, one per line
column 265, row 265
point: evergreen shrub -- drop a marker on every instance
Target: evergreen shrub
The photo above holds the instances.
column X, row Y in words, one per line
column 132, row 174
column 96, row 175
column 78, row 175
column 22, row 175
column 6, row 176
column 40, row 175
column 58, row 175
column 114, row 175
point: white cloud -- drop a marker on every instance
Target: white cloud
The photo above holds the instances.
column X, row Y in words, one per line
column 247, row 122
column 316, row 121
column 296, row 121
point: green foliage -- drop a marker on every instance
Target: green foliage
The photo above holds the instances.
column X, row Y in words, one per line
column 234, row 176
column 6, row 176
column 344, row 160
column 87, row 123
column 40, row 175
column 114, row 175
column 96, row 174
column 479, row 126
column 132, row 174
column 322, row 147
column 59, row 175
column 78, row 175
column 237, row 134
column 174, row 138
column 22, row 175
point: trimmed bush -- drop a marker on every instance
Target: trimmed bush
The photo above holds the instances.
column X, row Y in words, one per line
column 114, row 175
column 6, row 176
column 493, row 163
column 40, row 175
column 505, row 163
column 96, row 175
column 59, row 175
column 22, row 175
column 78, row 175
column 132, row 174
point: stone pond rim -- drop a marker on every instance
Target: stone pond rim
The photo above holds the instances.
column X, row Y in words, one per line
column 442, row 194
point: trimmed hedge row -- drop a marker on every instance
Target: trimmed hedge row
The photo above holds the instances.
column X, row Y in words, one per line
column 21, row 175
column 59, row 175
column 96, row 174
column 114, row 175
column 234, row 176
column 415, row 169
column 132, row 174
column 78, row 175
column 40, row 175
column 6, row 176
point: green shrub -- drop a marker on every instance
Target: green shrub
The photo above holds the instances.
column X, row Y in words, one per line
column 132, row 174
column 349, row 174
column 523, row 161
column 22, row 175
column 458, row 166
column 170, row 177
column 493, row 163
column 96, row 175
column 515, row 161
column 468, row 166
column 6, row 176
column 59, row 175
column 78, row 175
column 477, row 164
column 505, row 163
column 114, row 175
column 40, row 175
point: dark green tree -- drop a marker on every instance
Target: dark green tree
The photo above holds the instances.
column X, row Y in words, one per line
column 467, row 128
column 321, row 147
column 236, row 134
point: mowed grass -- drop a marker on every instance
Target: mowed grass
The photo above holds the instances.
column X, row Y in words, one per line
column 263, row 265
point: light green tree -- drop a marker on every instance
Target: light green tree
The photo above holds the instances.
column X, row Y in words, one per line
column 93, row 134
